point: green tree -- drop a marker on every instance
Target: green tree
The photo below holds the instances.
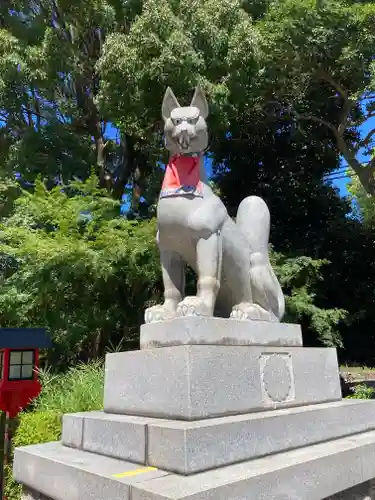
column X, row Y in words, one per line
column 363, row 203
column 331, row 44
column 50, row 124
column 73, row 265
column 299, row 277
column 65, row 73
column 178, row 44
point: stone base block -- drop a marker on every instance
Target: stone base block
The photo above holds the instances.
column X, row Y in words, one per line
column 190, row 447
column 311, row 473
column 119, row 436
column 64, row 473
column 192, row 330
column 364, row 491
column 197, row 382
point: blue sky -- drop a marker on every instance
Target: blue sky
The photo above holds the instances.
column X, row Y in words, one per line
column 341, row 183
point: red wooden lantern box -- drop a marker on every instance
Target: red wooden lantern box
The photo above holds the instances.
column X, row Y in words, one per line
column 19, row 361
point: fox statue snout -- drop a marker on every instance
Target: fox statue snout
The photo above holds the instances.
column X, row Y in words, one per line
column 234, row 275
column 183, row 128
column 183, row 135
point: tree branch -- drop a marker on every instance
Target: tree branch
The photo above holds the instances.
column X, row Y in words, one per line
column 368, row 137
column 364, row 173
column 37, row 109
column 345, row 113
column 348, row 103
column 30, row 122
column 368, row 96
column 33, row 112
column 318, row 120
column 323, row 75
column 127, row 165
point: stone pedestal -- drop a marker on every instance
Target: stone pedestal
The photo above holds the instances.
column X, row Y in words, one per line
column 212, row 414
column 203, row 381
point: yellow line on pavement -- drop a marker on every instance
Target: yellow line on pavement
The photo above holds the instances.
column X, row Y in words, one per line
column 135, row 472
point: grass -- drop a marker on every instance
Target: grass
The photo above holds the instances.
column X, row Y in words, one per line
column 357, row 371
column 79, row 389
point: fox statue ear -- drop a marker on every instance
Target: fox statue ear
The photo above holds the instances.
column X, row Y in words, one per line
column 199, row 101
column 169, row 103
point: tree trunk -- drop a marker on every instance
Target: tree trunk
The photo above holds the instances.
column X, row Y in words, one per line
column 127, row 166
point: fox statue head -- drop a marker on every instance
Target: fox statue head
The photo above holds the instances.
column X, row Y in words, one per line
column 185, row 128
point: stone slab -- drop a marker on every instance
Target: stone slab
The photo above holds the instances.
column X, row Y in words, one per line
column 72, row 430
column 197, row 382
column 310, row 473
column 190, row 447
column 364, row 491
column 218, row 331
column 65, row 473
column 118, row 436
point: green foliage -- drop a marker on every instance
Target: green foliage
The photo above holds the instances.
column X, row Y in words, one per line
column 38, row 427
column 362, row 391
column 79, row 389
column 299, row 277
column 49, row 121
column 178, row 44
column 337, row 38
column 363, row 202
column 82, row 271
column 318, row 60
column 12, row 489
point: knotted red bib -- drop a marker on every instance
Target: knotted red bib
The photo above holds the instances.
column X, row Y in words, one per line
column 182, row 176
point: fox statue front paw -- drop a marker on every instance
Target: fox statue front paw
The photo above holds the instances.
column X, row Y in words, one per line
column 194, row 306
column 159, row 313
column 248, row 311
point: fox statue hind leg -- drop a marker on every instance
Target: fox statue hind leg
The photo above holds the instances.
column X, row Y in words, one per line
column 267, row 300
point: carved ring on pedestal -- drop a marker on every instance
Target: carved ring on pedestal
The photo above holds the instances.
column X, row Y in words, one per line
column 277, row 377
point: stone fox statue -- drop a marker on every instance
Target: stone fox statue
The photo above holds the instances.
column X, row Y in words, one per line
column 234, row 275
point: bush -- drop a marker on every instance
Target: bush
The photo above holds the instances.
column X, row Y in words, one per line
column 34, row 428
column 38, row 427
column 69, row 260
column 80, row 389
column 362, row 391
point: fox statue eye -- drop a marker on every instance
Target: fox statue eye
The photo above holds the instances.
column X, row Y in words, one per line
column 176, row 121
column 192, row 121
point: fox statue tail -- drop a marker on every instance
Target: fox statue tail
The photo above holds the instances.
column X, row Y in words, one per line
column 253, row 220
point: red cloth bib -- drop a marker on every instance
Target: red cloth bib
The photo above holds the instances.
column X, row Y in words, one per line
column 182, row 176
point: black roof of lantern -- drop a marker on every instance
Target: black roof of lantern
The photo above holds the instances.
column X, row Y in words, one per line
column 24, row 338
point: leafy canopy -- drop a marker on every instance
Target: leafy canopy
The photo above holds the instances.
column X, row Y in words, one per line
column 72, row 264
